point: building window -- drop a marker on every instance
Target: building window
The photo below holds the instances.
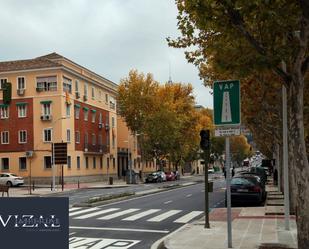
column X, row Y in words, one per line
column 114, row 163
column 106, row 98
column 2, row 82
column 22, row 137
column 100, row 118
column 47, row 162
column 47, row 135
column 100, row 139
column 86, row 89
column 113, row 142
column 67, row 85
column 86, row 162
column 100, row 95
column 78, row 162
column 93, row 139
column 107, row 138
column 46, row 109
column 4, row 112
column 22, row 163
column 86, row 114
column 92, row 93
column 68, row 110
column 69, row 162
column 5, row 162
column 77, row 137
column 5, row 137
column 94, row 162
column 68, row 135
column 93, row 116
column 21, row 84
column 76, row 111
column 46, row 83
column 76, row 86
column 101, row 163
column 22, row 111
column 86, row 138
column 107, row 161
column 113, row 122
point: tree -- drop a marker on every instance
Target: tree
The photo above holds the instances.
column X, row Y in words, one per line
column 253, row 36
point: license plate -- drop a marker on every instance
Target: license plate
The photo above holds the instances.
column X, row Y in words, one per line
column 242, row 190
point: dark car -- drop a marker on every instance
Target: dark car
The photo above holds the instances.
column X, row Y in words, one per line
column 170, row 176
column 245, row 173
column 260, row 172
column 154, row 177
column 246, row 189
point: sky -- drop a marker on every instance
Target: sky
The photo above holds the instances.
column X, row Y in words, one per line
column 109, row 37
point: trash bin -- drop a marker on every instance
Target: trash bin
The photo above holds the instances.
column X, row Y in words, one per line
column 210, row 187
column 110, row 180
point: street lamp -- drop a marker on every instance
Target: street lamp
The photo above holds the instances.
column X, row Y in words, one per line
column 53, row 156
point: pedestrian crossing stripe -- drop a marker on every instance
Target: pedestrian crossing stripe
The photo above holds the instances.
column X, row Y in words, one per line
column 134, row 214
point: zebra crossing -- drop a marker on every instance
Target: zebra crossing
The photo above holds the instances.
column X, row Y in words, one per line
column 133, row 214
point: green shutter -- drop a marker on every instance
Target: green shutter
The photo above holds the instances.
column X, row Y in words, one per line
column 94, row 111
column 4, row 105
column 85, row 108
column 21, row 103
column 46, row 102
column 77, row 105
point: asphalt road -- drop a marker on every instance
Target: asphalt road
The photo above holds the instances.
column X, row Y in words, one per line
column 137, row 223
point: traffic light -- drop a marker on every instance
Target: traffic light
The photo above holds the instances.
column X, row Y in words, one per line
column 205, row 139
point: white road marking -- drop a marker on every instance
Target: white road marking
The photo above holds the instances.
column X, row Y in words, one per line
column 164, row 216
column 186, row 218
column 98, row 243
column 189, row 195
column 203, row 191
column 167, row 202
column 115, row 215
column 74, row 209
column 188, row 183
column 86, row 216
column 83, row 211
column 141, row 215
column 120, row 229
column 72, row 234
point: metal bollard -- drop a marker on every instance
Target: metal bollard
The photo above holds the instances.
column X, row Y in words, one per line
column 78, row 183
column 32, row 185
column 51, row 186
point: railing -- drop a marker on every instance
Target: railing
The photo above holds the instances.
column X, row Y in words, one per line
column 96, row 148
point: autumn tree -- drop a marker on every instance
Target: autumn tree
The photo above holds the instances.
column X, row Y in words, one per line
column 253, row 36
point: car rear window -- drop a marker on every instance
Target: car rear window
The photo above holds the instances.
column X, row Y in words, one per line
column 240, row 181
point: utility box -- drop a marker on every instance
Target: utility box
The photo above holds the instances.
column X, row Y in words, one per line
column 210, row 187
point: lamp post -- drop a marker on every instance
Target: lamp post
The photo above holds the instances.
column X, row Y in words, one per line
column 53, row 156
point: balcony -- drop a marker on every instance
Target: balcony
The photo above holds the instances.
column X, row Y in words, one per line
column 95, row 149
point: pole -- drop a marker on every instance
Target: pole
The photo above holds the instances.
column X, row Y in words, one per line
column 278, row 167
column 129, row 161
column 228, row 191
column 30, row 176
column 206, row 160
column 62, row 180
column 53, row 167
column 285, row 161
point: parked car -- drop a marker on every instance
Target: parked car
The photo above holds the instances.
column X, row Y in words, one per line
column 177, row 175
column 10, row 179
column 162, row 174
column 246, row 189
column 170, row 176
column 153, row 177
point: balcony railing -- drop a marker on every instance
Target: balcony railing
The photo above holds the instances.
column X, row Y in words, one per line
column 100, row 149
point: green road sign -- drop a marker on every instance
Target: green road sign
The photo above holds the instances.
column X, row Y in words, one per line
column 226, row 103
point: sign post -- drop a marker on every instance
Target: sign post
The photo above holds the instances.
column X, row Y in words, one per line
column 227, row 119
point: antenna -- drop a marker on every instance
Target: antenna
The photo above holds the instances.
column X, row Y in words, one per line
column 169, row 73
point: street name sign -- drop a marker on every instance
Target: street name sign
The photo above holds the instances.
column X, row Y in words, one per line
column 61, row 153
column 227, row 131
column 226, row 102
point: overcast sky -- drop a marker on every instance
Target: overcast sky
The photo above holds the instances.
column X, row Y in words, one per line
column 110, row 37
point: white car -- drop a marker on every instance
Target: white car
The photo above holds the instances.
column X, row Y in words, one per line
column 10, row 179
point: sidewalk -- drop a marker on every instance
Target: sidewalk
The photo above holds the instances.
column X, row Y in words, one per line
column 251, row 228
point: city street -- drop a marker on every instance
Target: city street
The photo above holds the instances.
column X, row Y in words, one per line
column 139, row 222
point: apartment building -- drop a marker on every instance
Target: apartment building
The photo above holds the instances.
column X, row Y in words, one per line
column 56, row 100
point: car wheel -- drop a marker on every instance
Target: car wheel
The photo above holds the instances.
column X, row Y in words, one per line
column 8, row 183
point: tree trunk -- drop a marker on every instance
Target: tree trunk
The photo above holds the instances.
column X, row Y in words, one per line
column 301, row 166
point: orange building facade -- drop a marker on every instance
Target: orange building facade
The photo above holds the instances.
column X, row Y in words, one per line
column 56, row 100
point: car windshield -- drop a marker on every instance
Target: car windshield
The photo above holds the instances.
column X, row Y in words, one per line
column 241, row 181
column 13, row 175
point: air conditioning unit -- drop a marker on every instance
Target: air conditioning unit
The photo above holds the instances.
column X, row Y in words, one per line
column 29, row 153
column 86, row 149
column 107, row 127
column 101, row 125
column 20, row 91
column 85, row 97
column 46, row 117
column 77, row 94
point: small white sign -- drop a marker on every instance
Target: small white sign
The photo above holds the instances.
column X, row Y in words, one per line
column 227, row 132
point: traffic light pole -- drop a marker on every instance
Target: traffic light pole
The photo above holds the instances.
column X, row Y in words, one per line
column 206, row 161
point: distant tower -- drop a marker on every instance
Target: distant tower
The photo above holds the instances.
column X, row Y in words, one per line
column 169, row 73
